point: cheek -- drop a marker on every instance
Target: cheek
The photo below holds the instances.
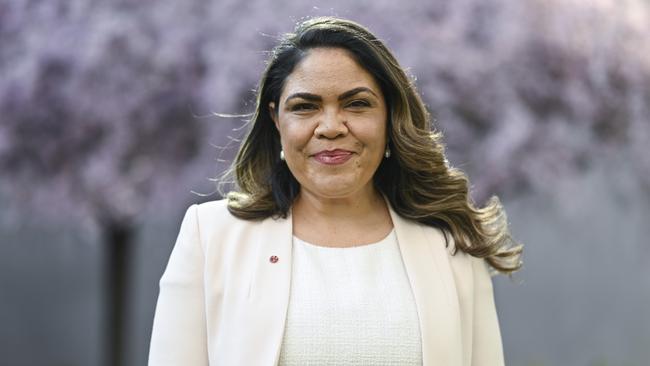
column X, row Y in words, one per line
column 373, row 136
column 294, row 135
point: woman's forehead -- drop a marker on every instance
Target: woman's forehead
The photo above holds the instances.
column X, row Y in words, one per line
column 328, row 71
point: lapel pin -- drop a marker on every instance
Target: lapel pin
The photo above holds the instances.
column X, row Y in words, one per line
column 273, row 259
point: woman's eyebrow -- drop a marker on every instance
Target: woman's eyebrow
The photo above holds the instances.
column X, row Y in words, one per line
column 317, row 98
column 354, row 91
column 307, row 96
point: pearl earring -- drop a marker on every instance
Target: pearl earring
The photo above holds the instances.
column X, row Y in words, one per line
column 282, row 155
column 387, row 152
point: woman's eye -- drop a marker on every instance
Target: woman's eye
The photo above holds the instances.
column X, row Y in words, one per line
column 358, row 103
column 303, row 107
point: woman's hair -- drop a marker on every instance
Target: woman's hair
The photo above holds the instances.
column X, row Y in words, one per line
column 416, row 179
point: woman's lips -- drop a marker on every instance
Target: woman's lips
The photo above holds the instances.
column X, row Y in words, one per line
column 333, row 157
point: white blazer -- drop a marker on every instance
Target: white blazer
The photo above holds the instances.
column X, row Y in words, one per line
column 223, row 301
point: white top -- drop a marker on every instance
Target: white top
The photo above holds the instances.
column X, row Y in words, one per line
column 350, row 306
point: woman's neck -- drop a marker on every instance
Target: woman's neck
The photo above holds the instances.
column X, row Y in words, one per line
column 340, row 207
column 343, row 221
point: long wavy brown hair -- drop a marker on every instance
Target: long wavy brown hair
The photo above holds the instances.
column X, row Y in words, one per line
column 417, row 179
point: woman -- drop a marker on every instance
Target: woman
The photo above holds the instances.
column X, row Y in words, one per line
column 350, row 239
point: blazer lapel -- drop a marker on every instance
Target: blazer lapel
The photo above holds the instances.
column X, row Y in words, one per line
column 430, row 274
column 268, row 297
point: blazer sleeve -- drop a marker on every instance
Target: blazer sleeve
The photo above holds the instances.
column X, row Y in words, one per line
column 487, row 349
column 179, row 335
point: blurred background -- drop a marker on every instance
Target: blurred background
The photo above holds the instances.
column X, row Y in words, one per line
column 108, row 132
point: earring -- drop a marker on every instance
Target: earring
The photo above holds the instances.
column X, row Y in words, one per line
column 282, row 155
column 387, row 152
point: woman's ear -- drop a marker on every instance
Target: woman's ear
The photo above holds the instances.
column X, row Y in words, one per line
column 274, row 115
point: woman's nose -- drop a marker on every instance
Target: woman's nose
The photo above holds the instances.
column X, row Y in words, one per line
column 331, row 124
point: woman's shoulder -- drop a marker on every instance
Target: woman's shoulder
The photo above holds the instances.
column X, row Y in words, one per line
column 464, row 266
column 217, row 209
column 214, row 216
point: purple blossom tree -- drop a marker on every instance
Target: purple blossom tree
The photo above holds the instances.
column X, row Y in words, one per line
column 535, row 92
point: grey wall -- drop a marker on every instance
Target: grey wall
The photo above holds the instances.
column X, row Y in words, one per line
column 584, row 292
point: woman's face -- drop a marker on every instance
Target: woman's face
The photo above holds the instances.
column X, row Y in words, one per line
column 332, row 122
